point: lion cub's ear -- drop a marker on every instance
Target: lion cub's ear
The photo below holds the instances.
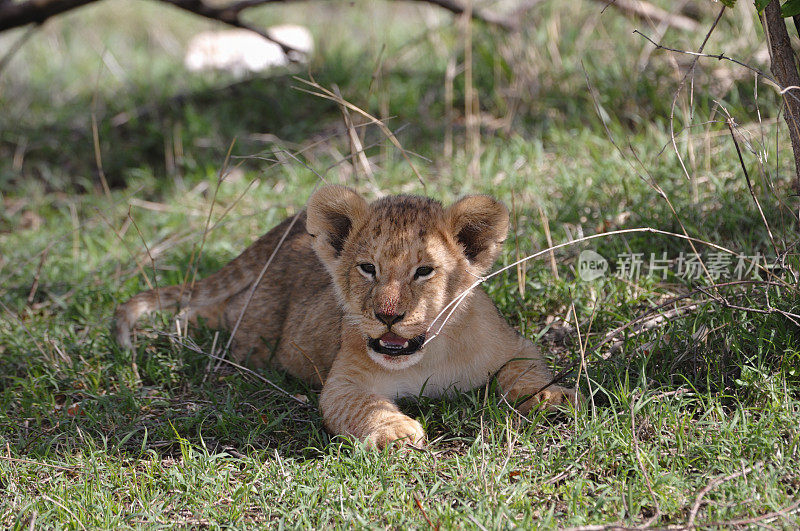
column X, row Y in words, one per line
column 480, row 224
column 332, row 211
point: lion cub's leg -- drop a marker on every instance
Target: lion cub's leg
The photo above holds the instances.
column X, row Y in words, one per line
column 373, row 419
column 527, row 375
column 351, row 406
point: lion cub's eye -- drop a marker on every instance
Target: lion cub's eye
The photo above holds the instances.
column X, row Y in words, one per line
column 423, row 272
column 367, row 269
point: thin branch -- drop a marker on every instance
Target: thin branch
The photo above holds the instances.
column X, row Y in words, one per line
column 718, row 56
column 14, row 48
column 689, row 73
column 705, row 490
column 186, row 342
column 650, row 13
column 484, row 16
column 452, row 306
column 785, row 513
column 14, row 15
column 230, row 17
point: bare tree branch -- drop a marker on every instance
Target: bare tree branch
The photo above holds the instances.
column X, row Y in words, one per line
column 14, row 15
column 782, row 64
column 651, row 13
column 458, row 8
column 229, row 14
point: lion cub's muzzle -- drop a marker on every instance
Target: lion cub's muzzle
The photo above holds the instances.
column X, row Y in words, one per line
column 393, row 345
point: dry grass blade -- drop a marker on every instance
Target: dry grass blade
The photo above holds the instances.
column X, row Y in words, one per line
column 15, row 47
column 582, row 349
column 66, row 509
column 194, row 259
column 424, row 514
column 645, row 474
column 154, row 284
column 35, row 283
column 357, row 151
column 98, row 157
column 322, row 92
column 730, row 122
column 40, row 463
column 549, row 239
column 472, row 110
column 254, row 287
column 521, row 265
column 686, row 76
column 188, row 343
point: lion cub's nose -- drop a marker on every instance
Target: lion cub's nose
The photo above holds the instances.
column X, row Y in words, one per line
column 389, row 318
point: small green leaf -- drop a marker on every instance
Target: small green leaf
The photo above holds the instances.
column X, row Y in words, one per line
column 760, row 5
column 790, row 8
column 728, row 3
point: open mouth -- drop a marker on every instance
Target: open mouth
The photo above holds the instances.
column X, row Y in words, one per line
column 393, row 345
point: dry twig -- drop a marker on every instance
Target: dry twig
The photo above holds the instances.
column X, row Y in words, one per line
column 14, row 15
column 650, row 13
column 705, row 490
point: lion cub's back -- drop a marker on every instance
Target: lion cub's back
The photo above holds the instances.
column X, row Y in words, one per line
column 293, row 319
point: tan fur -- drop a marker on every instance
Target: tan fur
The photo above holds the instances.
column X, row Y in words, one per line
column 315, row 310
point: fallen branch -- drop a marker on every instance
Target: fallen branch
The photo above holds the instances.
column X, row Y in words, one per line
column 15, row 15
column 229, row 14
column 784, row 513
column 484, row 16
column 705, row 490
column 191, row 345
column 651, row 13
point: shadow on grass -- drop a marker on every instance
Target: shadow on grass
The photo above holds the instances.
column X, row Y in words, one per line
column 152, row 130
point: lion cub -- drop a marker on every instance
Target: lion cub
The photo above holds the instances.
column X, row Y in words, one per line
column 349, row 299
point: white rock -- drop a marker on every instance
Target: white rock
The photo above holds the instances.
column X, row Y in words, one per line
column 241, row 51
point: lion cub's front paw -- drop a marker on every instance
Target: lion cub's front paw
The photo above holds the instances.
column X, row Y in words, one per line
column 553, row 397
column 398, row 429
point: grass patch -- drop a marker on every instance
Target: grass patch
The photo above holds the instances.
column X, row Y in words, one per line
column 694, row 420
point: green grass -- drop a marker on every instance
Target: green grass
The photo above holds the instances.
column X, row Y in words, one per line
column 696, row 420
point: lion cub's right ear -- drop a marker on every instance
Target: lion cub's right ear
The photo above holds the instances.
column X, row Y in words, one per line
column 332, row 212
column 480, row 225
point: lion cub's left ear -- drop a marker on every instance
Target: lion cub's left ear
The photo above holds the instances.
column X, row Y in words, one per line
column 480, row 224
column 331, row 214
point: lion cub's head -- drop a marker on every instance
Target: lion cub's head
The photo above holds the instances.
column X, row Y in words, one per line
column 397, row 262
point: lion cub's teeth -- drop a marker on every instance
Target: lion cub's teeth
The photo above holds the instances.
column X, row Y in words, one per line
column 383, row 343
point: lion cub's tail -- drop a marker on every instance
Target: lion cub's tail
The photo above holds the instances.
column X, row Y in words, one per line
column 213, row 290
